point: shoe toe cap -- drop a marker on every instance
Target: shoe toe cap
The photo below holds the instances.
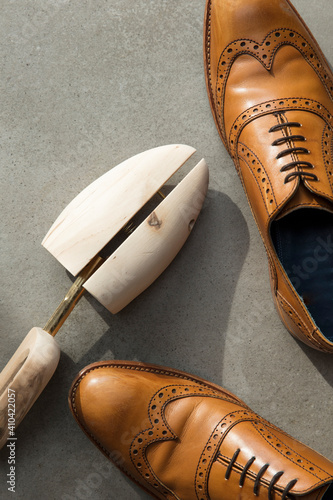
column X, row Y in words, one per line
column 104, row 403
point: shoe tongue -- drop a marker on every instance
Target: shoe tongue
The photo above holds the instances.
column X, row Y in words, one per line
column 304, row 198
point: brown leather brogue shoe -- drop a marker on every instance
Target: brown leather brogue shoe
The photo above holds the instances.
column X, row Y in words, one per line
column 180, row 437
column 270, row 90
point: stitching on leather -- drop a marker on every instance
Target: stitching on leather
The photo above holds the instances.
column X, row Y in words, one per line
column 167, row 372
column 305, row 464
column 159, row 432
column 256, row 180
column 91, row 436
column 145, row 369
column 315, row 62
column 275, row 279
column 268, row 251
column 208, row 25
column 250, row 152
column 212, row 393
column 305, row 205
column 212, row 446
column 208, row 70
column 278, row 205
column 318, row 336
column 306, row 181
column 249, row 475
column 219, row 119
column 281, row 301
column 290, row 457
column 264, row 483
column 275, row 105
column 272, row 271
column 290, row 312
column 261, row 110
column 131, row 367
column 327, row 151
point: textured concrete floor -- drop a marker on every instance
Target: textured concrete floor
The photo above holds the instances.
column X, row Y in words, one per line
column 86, row 84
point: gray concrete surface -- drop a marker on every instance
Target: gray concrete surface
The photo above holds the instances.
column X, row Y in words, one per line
column 86, row 84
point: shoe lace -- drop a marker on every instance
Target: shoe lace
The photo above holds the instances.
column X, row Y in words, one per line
column 261, row 472
column 289, row 140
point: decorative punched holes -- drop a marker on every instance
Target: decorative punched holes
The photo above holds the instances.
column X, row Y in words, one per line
column 212, row 446
column 275, row 106
column 291, row 455
column 265, row 53
column 327, row 149
column 262, row 180
column 160, row 431
column 295, row 318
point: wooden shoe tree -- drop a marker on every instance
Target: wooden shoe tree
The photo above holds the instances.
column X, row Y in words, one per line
column 79, row 235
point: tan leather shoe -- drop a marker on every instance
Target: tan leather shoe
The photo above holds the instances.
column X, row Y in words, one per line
column 270, row 90
column 181, row 437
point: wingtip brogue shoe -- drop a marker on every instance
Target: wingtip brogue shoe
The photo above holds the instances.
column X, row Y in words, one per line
column 178, row 436
column 270, row 90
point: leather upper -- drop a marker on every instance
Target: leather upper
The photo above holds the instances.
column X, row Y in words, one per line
column 180, row 437
column 264, row 70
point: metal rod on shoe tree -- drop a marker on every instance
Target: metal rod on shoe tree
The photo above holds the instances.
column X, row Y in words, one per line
column 72, row 297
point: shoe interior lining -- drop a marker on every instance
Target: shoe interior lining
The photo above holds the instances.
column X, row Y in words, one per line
column 303, row 241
